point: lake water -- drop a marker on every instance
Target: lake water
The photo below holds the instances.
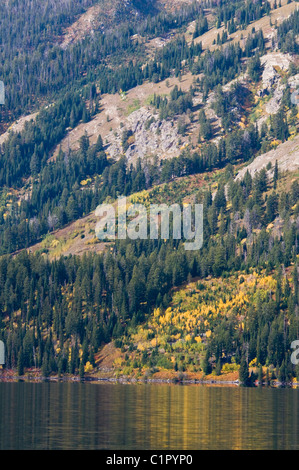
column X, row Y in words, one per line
column 146, row 417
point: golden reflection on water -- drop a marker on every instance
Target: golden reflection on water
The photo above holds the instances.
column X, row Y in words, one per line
column 171, row 417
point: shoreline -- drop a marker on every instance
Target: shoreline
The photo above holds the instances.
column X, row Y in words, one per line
column 121, row 380
column 11, row 377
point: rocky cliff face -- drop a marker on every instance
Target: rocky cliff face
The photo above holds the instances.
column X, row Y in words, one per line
column 272, row 81
column 149, row 136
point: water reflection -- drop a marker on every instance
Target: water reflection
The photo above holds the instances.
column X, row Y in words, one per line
column 106, row 416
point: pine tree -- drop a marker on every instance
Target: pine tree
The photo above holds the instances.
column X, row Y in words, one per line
column 99, row 144
column 20, row 363
column 244, row 372
column 206, row 365
column 255, row 68
column 81, row 370
column 46, row 371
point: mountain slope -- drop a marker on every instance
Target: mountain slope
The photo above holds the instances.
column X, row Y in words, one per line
column 286, row 155
column 169, row 106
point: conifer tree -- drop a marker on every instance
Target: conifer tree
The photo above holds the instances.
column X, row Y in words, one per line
column 244, row 371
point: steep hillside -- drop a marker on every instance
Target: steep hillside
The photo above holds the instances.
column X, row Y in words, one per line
column 201, row 331
column 132, row 111
column 286, row 155
column 161, row 102
column 79, row 236
column 172, row 344
column 103, row 16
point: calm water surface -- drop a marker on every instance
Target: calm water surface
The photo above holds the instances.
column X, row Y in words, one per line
column 171, row 417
